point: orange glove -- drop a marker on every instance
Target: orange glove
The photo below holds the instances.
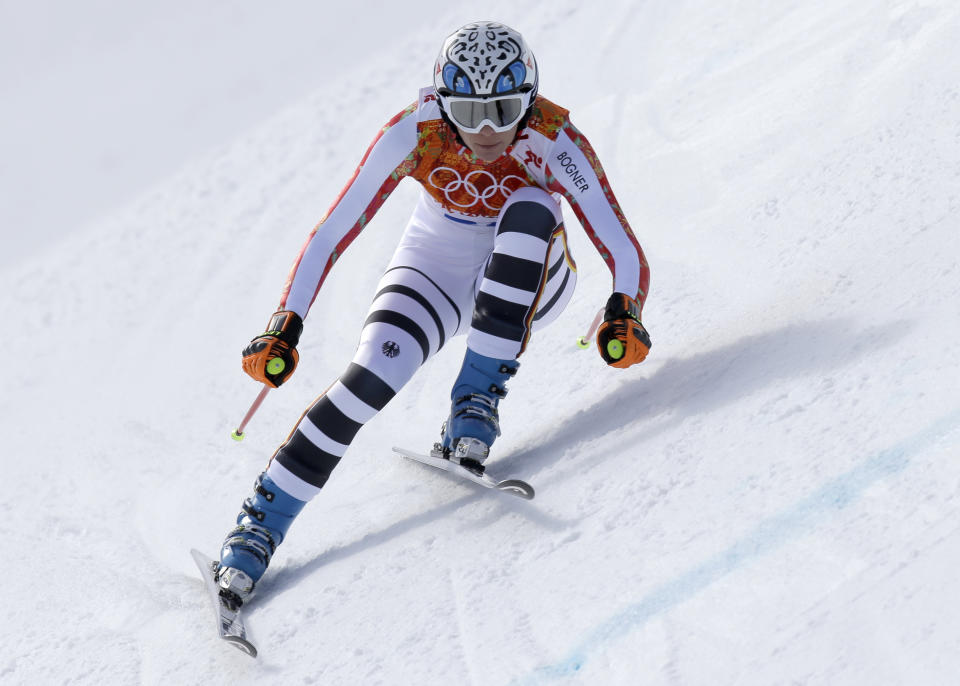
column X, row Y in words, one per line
column 621, row 338
column 271, row 357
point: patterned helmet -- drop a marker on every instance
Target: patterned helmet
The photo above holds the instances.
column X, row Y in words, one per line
column 482, row 61
column 485, row 58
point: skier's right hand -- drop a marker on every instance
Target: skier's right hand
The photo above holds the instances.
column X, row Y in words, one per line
column 271, row 357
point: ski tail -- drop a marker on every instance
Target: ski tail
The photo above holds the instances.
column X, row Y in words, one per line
column 516, row 487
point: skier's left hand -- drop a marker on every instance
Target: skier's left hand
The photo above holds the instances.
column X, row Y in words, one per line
column 621, row 339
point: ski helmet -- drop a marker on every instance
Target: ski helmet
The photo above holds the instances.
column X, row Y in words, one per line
column 485, row 74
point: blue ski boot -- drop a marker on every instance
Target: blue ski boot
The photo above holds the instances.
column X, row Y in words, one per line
column 474, row 421
column 261, row 526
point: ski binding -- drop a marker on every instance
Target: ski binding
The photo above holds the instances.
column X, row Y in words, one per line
column 516, row 487
column 229, row 622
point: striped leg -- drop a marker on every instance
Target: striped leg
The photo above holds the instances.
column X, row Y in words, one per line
column 528, row 279
column 410, row 319
column 419, row 306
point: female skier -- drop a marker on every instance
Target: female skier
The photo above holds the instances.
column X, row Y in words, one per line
column 484, row 254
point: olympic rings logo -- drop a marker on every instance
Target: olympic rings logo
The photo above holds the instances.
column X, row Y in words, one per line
column 452, row 182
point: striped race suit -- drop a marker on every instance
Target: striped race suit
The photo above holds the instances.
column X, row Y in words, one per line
column 484, row 254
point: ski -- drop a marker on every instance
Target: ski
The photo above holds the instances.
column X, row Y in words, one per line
column 516, row 487
column 229, row 622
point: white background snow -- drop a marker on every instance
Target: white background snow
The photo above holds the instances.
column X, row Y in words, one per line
column 772, row 498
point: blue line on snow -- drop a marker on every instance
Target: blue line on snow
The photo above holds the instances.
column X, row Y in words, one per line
column 769, row 535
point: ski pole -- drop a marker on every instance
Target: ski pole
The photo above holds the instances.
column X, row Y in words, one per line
column 237, row 434
column 584, row 341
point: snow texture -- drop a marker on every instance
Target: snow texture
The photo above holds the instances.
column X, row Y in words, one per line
column 771, row 498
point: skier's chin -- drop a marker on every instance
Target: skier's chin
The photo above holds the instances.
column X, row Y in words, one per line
column 488, row 145
column 488, row 153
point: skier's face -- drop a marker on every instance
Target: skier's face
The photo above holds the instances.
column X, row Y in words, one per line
column 487, row 144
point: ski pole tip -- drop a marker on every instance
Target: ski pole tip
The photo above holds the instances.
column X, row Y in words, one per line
column 583, row 343
column 237, row 435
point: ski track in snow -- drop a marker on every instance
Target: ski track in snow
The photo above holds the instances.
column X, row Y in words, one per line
column 772, row 498
column 799, row 520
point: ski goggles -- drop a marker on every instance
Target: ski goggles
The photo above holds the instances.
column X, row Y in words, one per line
column 500, row 113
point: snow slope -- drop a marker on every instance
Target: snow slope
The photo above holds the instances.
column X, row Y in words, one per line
column 771, row 498
column 105, row 97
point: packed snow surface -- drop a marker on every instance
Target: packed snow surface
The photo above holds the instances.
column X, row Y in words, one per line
column 771, row 498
